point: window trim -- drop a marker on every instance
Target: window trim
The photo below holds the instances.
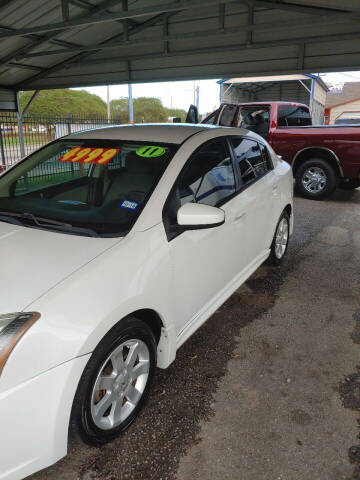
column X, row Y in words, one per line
column 226, row 105
column 256, row 179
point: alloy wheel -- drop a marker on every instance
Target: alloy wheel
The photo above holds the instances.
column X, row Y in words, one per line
column 120, row 384
column 314, row 180
column 281, row 238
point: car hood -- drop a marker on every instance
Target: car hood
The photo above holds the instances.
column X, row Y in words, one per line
column 32, row 261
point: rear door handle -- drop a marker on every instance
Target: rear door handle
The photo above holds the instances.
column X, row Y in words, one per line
column 275, row 190
column 239, row 217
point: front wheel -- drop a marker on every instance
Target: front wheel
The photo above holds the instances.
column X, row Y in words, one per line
column 115, row 383
column 315, row 179
column 280, row 241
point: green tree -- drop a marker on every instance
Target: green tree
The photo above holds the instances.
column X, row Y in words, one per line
column 176, row 112
column 63, row 101
column 146, row 110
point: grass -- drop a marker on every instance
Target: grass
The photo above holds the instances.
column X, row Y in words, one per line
column 37, row 138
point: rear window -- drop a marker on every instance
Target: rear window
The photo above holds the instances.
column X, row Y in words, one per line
column 293, row 116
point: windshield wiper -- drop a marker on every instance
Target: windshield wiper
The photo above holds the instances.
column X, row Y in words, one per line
column 13, row 217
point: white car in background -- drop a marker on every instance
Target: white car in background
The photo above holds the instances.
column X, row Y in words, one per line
column 116, row 245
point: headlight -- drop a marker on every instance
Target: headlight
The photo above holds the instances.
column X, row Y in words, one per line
column 12, row 327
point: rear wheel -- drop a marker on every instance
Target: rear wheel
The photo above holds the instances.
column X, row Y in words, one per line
column 349, row 184
column 115, row 383
column 280, row 241
column 315, row 179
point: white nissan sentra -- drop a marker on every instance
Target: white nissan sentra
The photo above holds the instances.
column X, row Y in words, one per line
column 115, row 246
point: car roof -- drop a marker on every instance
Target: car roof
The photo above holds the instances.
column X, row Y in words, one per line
column 165, row 133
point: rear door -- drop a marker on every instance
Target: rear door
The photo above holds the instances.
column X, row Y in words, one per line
column 257, row 198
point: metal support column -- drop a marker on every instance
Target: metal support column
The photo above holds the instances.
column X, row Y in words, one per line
column 131, row 107
column 20, row 127
column 2, row 152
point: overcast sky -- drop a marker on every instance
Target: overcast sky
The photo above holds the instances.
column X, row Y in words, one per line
column 181, row 94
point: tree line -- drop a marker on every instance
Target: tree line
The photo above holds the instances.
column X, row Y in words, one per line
column 85, row 104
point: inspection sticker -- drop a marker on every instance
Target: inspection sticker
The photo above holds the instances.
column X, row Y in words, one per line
column 149, row 151
column 100, row 156
column 129, row 204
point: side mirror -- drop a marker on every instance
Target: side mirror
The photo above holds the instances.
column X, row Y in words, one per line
column 193, row 216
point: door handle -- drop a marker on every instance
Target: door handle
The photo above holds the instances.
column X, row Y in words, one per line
column 239, row 217
column 275, row 189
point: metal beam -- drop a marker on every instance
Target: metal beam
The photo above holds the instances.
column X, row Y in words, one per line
column 98, row 19
column 38, row 41
column 249, row 34
column 301, row 56
column 5, row 3
column 181, row 36
column 222, row 7
column 25, row 67
column 221, row 49
column 32, row 98
column 293, row 7
column 137, row 29
column 65, row 10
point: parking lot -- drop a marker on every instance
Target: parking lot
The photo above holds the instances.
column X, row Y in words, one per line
column 269, row 386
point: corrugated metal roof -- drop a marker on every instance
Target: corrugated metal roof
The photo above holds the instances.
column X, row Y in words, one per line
column 64, row 43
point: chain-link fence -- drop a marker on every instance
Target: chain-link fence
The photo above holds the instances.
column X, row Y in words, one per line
column 20, row 137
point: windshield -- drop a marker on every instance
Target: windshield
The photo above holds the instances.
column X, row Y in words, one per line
column 97, row 185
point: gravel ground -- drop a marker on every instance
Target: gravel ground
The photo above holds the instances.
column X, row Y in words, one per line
column 185, row 397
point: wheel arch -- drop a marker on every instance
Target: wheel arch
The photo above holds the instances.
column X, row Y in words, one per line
column 317, row 152
column 151, row 318
column 288, row 209
column 164, row 333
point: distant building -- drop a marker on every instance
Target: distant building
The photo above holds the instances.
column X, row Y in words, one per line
column 343, row 106
column 309, row 89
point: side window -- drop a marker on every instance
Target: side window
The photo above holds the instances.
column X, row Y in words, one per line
column 253, row 159
column 227, row 115
column 209, row 177
column 293, row 116
column 256, row 119
column 210, row 120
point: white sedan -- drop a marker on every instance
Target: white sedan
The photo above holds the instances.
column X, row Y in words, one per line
column 116, row 245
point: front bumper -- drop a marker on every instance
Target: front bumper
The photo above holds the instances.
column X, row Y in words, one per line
column 34, row 420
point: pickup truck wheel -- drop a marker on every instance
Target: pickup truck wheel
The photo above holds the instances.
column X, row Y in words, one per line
column 115, row 383
column 350, row 184
column 315, row 179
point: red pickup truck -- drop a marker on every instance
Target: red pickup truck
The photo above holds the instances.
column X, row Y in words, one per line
column 322, row 157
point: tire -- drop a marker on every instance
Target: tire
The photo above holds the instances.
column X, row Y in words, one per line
column 350, row 184
column 315, row 179
column 277, row 255
column 101, row 414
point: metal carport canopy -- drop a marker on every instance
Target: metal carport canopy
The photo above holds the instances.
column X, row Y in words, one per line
column 71, row 43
